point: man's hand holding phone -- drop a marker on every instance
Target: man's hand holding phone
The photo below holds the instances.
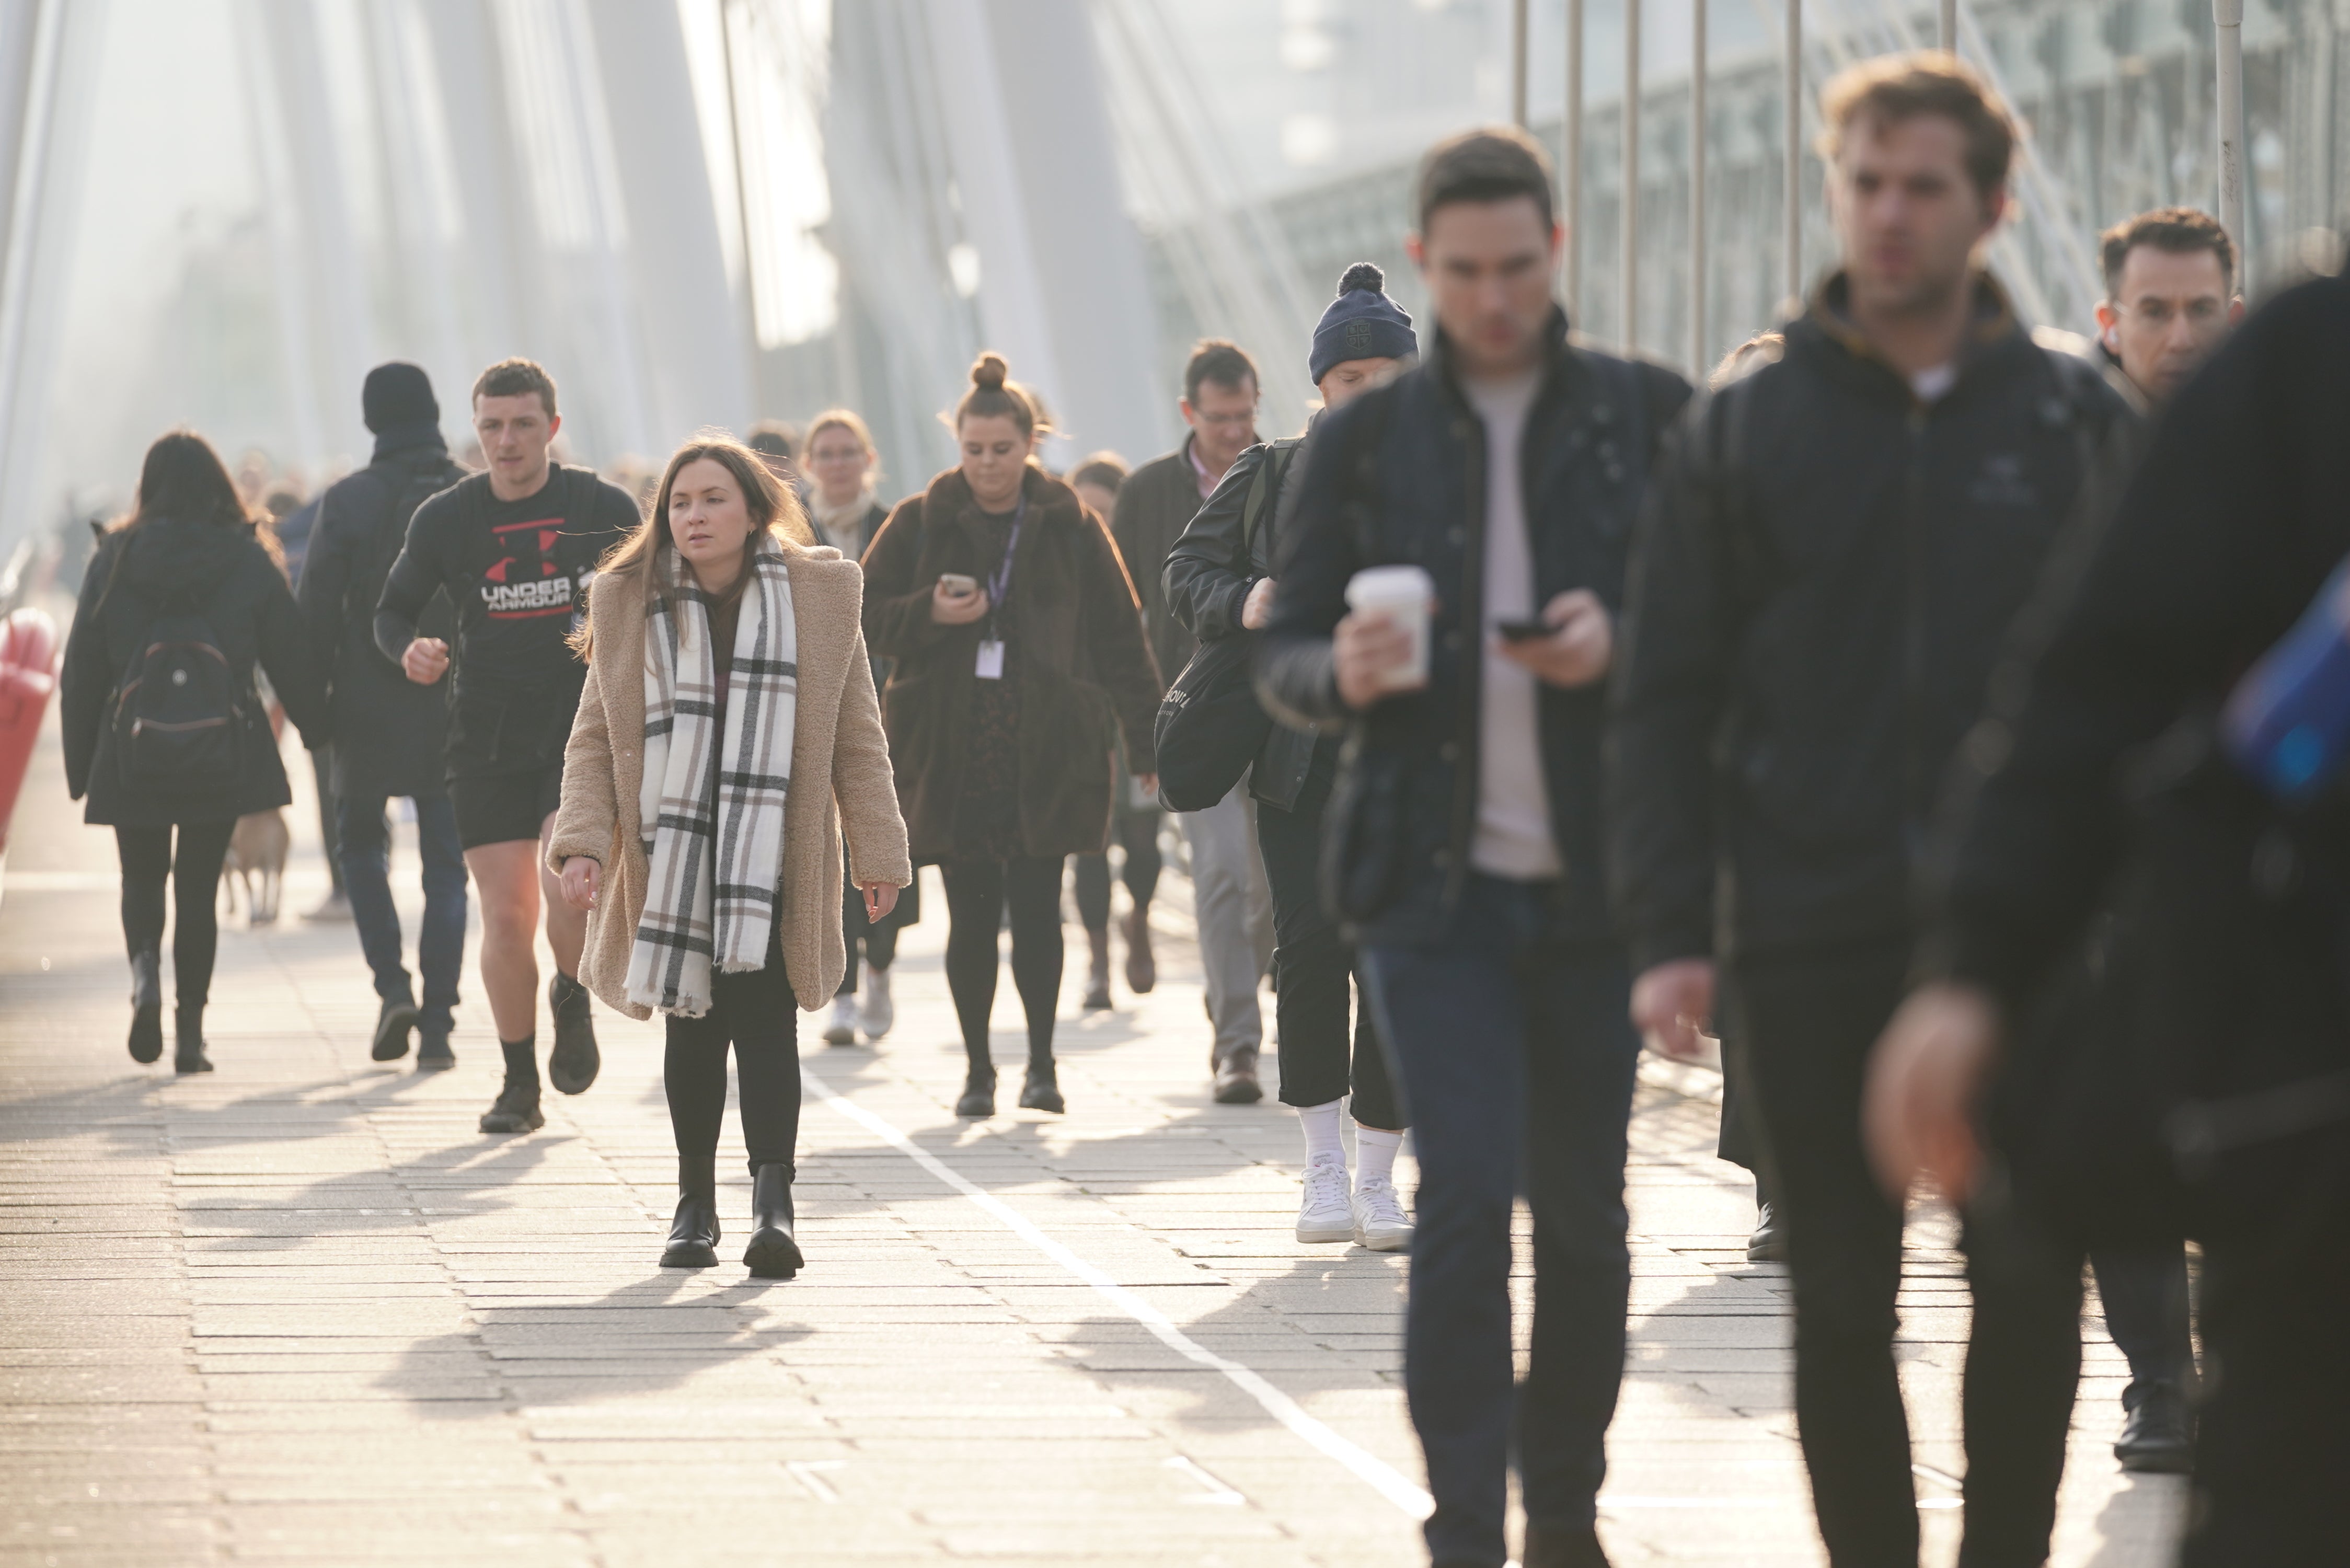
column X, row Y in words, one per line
column 1572, row 644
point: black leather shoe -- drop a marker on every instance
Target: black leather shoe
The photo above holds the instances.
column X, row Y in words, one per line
column 1042, row 1091
column 146, row 1007
column 2158, row 1435
column 978, row 1096
column 773, row 1254
column 391, row 1029
column 1236, row 1080
column 1562, row 1546
column 516, row 1110
column 693, row 1234
column 433, row 1053
column 572, row 1065
column 1769, row 1242
column 189, row 1056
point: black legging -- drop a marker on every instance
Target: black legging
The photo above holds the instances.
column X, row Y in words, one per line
column 758, row 1013
column 1137, row 835
column 146, row 861
column 976, row 893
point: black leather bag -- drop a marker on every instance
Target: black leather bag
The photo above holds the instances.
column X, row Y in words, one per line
column 1210, row 725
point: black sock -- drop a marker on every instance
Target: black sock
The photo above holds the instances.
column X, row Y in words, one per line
column 522, row 1062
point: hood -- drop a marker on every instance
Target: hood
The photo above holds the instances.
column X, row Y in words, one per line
column 166, row 557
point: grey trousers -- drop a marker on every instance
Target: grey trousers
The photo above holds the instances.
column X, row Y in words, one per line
column 1234, row 909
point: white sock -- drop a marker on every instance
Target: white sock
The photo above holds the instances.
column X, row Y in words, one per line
column 1321, row 1125
column 1375, row 1153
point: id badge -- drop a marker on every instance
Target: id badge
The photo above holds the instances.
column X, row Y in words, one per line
column 991, row 659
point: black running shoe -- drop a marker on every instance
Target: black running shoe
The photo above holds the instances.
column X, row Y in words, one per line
column 572, row 1065
column 433, row 1053
column 391, row 1029
column 515, row 1111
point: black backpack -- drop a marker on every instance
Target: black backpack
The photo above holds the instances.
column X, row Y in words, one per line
column 180, row 712
column 1210, row 725
column 424, row 480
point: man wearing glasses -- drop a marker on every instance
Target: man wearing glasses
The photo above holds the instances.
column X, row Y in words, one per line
column 2170, row 282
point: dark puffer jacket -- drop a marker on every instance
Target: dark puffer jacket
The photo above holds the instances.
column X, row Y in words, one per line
column 225, row 574
column 1819, row 591
column 1084, row 670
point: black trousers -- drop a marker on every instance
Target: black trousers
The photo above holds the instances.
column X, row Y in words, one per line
column 977, row 892
column 1311, row 966
column 147, row 861
column 757, row 1014
column 1804, row 1023
column 1137, row 833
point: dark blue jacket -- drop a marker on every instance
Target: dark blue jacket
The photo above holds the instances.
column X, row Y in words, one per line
column 1398, row 476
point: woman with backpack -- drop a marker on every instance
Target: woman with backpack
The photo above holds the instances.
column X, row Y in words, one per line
column 164, row 729
column 726, row 740
column 1020, row 659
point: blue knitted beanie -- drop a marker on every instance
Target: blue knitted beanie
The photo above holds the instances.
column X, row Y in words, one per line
column 1362, row 323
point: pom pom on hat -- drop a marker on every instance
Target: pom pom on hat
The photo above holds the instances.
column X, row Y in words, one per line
column 1363, row 277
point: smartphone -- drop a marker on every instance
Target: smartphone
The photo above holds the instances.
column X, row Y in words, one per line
column 1523, row 631
column 958, row 585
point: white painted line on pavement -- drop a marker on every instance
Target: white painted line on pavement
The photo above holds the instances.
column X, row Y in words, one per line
column 1382, row 1476
column 810, row 1473
column 1217, row 1491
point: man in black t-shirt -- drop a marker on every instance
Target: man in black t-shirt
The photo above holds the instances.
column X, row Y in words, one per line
column 513, row 548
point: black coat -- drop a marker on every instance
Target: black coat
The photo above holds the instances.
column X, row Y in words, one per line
column 244, row 599
column 1398, row 476
column 388, row 731
column 1819, row 591
column 1154, row 506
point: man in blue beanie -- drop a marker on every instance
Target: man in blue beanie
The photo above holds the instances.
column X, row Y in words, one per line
column 1219, row 583
column 388, row 731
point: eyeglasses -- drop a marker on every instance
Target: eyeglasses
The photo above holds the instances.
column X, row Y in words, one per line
column 2201, row 313
column 1227, row 422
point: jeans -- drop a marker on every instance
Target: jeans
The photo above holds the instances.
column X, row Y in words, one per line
column 322, row 769
column 1310, row 967
column 194, row 873
column 757, row 1012
column 2144, row 1292
column 1235, row 911
column 366, row 844
column 1517, row 1063
column 1805, row 1021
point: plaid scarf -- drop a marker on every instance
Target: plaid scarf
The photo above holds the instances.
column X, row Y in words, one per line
column 711, row 805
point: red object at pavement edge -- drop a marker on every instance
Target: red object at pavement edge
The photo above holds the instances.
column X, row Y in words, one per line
column 28, row 674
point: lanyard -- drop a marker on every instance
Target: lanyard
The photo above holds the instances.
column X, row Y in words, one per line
column 999, row 581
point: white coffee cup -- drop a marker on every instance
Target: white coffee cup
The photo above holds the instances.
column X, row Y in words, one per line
column 1405, row 596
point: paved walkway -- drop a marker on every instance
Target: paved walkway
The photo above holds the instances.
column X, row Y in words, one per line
column 301, row 1310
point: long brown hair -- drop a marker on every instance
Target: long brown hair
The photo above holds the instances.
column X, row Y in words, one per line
column 773, row 509
column 184, row 478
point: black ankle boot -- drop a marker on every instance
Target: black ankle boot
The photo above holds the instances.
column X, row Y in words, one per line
column 572, row 1065
column 393, row 1022
column 693, row 1234
column 188, row 1057
column 1042, row 1091
column 773, row 1254
column 978, row 1095
column 146, row 1006
column 1563, row 1546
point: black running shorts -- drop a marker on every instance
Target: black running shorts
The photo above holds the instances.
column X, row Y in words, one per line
column 498, row 808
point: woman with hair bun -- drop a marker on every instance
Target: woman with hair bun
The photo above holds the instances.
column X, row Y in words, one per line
column 1020, row 661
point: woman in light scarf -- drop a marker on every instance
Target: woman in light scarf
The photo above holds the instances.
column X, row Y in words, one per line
column 726, row 739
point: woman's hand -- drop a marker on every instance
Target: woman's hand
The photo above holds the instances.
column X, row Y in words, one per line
column 957, row 609
column 881, row 898
column 581, row 877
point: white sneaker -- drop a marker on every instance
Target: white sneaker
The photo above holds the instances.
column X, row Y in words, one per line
column 842, row 1030
column 876, row 1014
column 1380, row 1222
column 1325, row 1214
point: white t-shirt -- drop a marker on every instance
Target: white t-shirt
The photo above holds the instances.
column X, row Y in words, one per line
column 1513, row 829
column 1931, row 384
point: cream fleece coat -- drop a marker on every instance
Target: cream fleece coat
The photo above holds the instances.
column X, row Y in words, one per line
column 840, row 779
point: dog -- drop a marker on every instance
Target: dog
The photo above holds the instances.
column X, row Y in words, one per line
column 256, row 850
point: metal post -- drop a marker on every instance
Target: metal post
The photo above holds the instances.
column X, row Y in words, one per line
column 1629, row 206
column 1518, row 63
column 1948, row 33
column 1791, row 218
column 1570, row 147
column 2228, row 17
column 742, row 191
column 1696, row 187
